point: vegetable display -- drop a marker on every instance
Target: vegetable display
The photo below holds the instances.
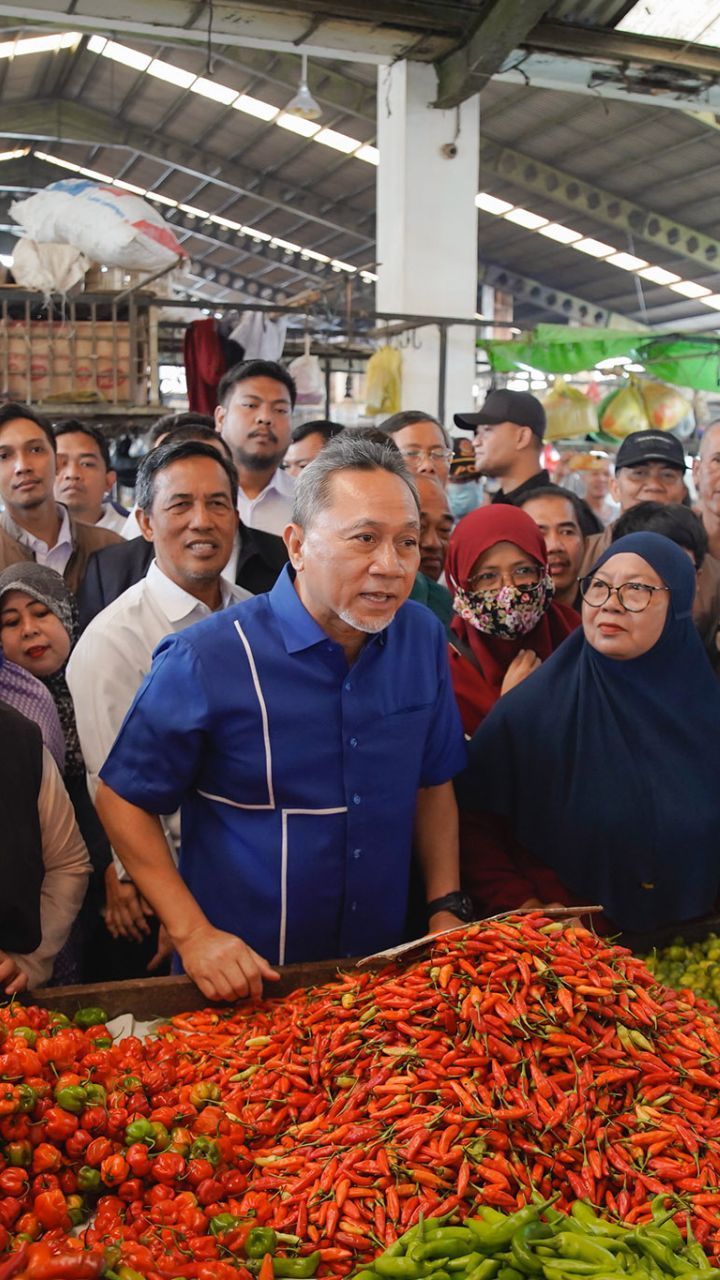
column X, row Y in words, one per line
column 521, row 1063
column 538, row 1241
column 693, row 965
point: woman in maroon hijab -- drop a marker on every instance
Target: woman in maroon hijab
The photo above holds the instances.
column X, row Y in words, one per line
column 506, row 621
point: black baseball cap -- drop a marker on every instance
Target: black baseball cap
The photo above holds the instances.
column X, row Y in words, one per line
column 506, row 406
column 650, row 446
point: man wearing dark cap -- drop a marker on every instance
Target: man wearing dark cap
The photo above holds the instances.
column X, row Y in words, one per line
column 509, row 431
column 650, row 467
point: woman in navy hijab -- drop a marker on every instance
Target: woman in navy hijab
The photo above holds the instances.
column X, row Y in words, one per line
column 597, row 780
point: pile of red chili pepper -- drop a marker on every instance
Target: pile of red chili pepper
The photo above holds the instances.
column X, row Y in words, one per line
column 519, row 1060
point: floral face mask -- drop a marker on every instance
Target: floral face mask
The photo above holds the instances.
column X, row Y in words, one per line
column 509, row 612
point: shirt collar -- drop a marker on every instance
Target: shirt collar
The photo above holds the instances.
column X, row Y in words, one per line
column 298, row 628
column 280, row 482
column 175, row 602
column 64, row 539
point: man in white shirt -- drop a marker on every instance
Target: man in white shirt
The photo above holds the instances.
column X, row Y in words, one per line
column 84, row 475
column 254, row 418
column 186, row 496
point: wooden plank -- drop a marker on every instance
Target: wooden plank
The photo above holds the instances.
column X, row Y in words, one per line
column 161, row 997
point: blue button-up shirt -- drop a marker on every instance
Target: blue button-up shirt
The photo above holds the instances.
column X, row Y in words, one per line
column 296, row 774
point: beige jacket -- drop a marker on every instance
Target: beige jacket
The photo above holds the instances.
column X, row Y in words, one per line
column 86, row 538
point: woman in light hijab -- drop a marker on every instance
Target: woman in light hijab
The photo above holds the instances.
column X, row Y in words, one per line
column 597, row 780
column 506, row 620
column 38, row 629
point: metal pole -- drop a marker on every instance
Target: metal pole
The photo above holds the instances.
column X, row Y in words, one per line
column 327, row 386
column 442, row 378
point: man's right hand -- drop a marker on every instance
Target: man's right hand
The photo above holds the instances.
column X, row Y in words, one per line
column 222, row 965
column 125, row 911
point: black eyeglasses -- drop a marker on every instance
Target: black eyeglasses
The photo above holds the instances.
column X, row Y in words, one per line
column 633, row 596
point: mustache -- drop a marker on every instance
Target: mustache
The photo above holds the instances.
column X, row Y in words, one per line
column 267, row 432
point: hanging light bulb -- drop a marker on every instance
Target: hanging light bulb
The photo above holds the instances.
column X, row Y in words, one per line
column 303, row 104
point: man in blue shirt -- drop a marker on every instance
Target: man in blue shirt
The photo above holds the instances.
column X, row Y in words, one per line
column 310, row 735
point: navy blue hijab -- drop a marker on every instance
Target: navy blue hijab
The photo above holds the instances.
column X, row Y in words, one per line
column 608, row 770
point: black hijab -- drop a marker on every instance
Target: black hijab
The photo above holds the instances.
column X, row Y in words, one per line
column 608, row 770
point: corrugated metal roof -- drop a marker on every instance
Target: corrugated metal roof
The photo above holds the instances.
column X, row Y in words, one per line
column 203, row 154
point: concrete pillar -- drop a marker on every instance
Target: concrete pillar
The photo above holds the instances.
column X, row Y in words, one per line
column 427, row 229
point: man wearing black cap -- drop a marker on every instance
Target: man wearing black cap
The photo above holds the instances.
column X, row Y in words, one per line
column 509, row 432
column 650, row 467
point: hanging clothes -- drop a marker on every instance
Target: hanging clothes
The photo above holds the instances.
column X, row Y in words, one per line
column 204, row 364
column 261, row 337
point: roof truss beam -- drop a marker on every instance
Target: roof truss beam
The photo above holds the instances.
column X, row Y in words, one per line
column 575, row 310
column 502, row 26
column 603, row 206
column 51, row 120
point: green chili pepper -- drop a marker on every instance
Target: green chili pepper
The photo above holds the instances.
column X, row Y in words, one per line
column 18, row 1154
column 522, row 1254
column 487, row 1270
column 206, row 1149
column 88, row 1178
column 496, row 1235
column 139, row 1131
column 579, row 1248
column 57, row 1019
column 93, row 1016
column 103, row 1042
column 27, row 1097
column 71, row 1097
column 583, row 1213
column 659, row 1251
column 222, row 1223
column 509, row 1273
column 260, row 1240
column 465, row 1263
column 27, row 1033
column 96, row 1095
column 450, row 1242
column 129, row 1084
column 296, row 1268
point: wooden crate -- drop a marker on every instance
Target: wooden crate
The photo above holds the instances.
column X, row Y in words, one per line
column 42, row 360
column 161, row 997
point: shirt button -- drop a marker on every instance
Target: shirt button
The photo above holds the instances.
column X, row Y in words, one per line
column 356, row 798
column 353, row 742
column 348, row 686
column 353, row 906
column 356, row 853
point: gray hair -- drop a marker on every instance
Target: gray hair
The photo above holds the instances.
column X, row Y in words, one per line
column 347, row 452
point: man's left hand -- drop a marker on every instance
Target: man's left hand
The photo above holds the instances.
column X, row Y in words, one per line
column 445, row 920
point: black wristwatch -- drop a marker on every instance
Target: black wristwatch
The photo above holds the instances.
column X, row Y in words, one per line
column 459, row 904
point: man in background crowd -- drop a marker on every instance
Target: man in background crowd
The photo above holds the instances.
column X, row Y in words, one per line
column 650, row 468
column 306, row 442
column 598, row 479
column 423, row 442
column 436, row 525
column 509, row 432
column 34, row 526
column 255, row 561
column 554, row 511
column 464, row 488
column 186, row 495
column 84, row 475
column 706, row 471
column 254, row 418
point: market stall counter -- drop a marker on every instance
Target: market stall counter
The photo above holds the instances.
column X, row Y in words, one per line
column 524, row 1085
